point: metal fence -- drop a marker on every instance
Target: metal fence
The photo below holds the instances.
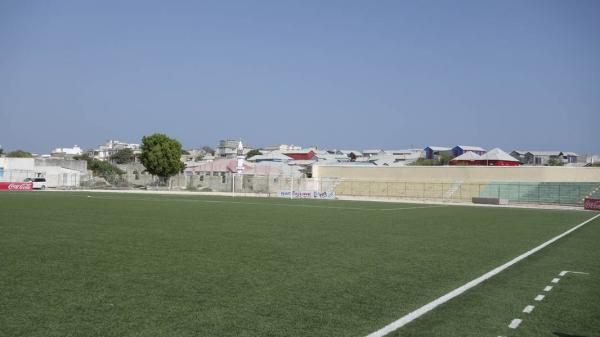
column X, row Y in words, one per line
column 560, row 193
column 64, row 180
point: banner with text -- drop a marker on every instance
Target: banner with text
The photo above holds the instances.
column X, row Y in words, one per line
column 5, row 186
column 307, row 195
column 593, row 204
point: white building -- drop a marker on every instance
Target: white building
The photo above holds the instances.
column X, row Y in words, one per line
column 281, row 148
column 57, row 175
column 67, row 151
column 227, row 148
column 103, row 152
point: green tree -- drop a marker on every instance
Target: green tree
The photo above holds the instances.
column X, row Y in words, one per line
column 253, row 153
column 19, row 154
column 103, row 169
column 161, row 155
column 555, row 161
column 1, row 151
column 123, row 156
column 444, row 158
column 422, row 162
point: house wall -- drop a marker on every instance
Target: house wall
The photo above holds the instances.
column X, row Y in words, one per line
column 464, row 174
column 79, row 165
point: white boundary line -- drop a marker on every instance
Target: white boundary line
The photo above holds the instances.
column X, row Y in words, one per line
column 565, row 272
column 402, row 321
column 515, row 323
column 528, row 309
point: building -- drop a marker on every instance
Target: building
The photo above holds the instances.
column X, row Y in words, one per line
column 372, row 152
column 59, row 173
column 104, row 151
column 497, row 157
column 304, row 154
column 467, row 158
column 433, row 152
column 66, row 152
column 461, row 149
column 520, row 155
column 281, row 147
column 274, row 156
column 543, row 157
column 227, row 148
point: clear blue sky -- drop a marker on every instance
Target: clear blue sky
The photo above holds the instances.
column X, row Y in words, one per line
column 338, row 74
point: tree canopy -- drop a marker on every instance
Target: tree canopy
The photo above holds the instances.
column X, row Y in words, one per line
column 19, row 154
column 100, row 168
column 123, row 156
column 253, row 153
column 555, row 161
column 441, row 159
column 161, row 155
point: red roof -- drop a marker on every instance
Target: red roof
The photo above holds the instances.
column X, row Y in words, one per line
column 301, row 155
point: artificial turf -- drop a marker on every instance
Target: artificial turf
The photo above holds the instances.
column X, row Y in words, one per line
column 77, row 264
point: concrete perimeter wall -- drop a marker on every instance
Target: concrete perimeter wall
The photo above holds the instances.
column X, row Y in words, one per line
column 463, row 174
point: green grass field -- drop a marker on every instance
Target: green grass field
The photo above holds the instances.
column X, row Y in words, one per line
column 107, row 264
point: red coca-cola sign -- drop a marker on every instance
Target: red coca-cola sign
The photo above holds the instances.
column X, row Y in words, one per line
column 8, row 186
column 590, row 203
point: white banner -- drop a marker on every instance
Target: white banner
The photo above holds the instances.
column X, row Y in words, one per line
column 307, row 195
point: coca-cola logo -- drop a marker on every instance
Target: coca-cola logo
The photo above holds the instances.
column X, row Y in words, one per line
column 14, row 186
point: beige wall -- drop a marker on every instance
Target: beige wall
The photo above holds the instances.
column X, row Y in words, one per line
column 466, row 174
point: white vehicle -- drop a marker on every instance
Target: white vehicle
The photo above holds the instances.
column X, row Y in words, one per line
column 38, row 183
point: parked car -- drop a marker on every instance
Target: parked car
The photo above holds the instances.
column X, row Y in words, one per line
column 38, row 183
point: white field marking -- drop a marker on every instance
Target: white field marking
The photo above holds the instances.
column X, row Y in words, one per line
column 415, row 207
column 262, row 203
column 528, row 309
column 515, row 323
column 565, row 272
column 548, row 288
column 402, row 321
column 555, row 280
column 539, row 297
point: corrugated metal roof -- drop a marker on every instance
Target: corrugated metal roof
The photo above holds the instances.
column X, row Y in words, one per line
column 544, row 153
column 439, row 148
column 467, row 156
column 497, row 154
column 471, row 148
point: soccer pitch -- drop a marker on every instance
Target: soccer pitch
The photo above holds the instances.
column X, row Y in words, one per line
column 108, row 264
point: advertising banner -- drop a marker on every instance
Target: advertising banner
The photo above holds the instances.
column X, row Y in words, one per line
column 307, row 195
column 7, row 186
column 593, row 204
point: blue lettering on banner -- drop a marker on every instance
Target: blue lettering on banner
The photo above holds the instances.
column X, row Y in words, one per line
column 307, row 195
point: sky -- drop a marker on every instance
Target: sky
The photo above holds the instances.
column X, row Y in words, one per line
column 333, row 74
